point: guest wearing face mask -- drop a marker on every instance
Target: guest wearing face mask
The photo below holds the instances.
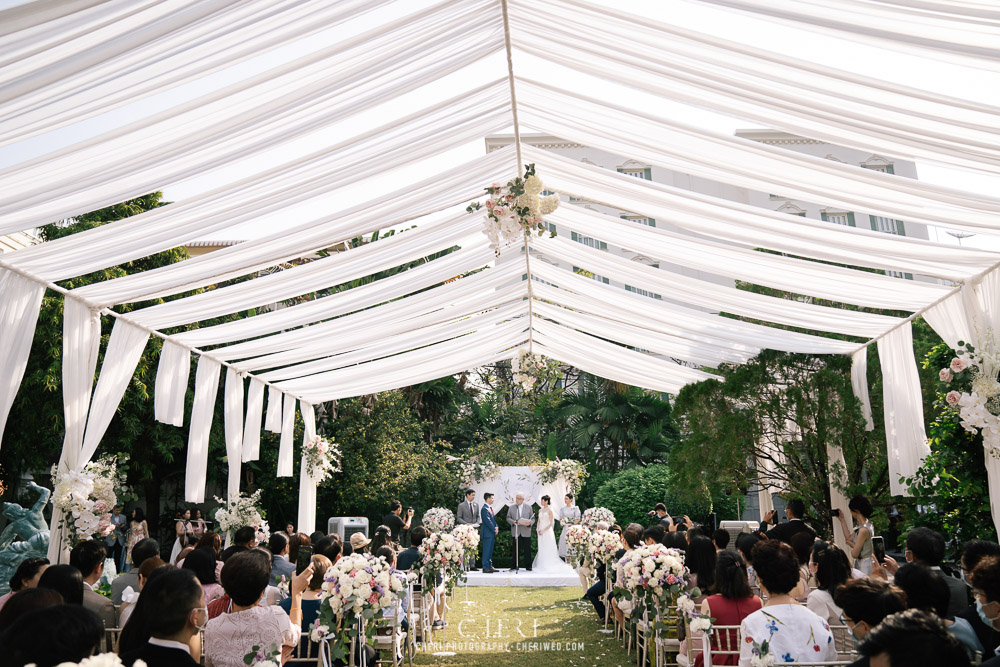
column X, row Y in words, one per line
column 985, row 580
column 973, row 553
column 864, row 603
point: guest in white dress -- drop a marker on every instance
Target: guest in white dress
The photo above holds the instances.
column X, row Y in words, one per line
column 829, row 565
column 860, row 541
column 793, row 633
column 568, row 515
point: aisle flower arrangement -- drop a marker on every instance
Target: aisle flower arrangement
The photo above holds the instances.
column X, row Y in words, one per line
column 578, row 545
column 468, row 536
column 85, row 497
column 515, row 209
column 356, row 587
column 322, row 459
column 603, row 545
column 572, row 472
column 438, row 520
column 976, row 392
column 529, row 368
column 441, row 554
column 100, row 660
column 242, row 511
column 652, row 577
column 475, row 469
column 595, row 515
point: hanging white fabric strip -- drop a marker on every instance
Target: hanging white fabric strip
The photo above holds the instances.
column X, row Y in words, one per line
column 171, row 383
column 286, row 450
column 81, row 343
column 859, row 383
column 121, row 357
column 20, row 301
column 251, row 429
column 307, row 486
column 905, row 437
column 233, row 416
column 949, row 318
column 206, row 388
column 272, row 422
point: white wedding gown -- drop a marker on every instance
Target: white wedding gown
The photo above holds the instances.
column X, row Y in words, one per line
column 547, row 559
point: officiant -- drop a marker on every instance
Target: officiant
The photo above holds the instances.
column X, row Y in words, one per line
column 467, row 513
column 521, row 518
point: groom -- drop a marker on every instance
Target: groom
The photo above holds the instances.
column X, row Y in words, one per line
column 488, row 531
column 521, row 517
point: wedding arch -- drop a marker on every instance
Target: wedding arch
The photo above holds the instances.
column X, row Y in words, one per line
column 511, row 480
column 68, row 63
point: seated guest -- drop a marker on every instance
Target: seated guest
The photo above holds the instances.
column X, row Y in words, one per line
column 407, row 557
column 926, row 589
column 974, row 551
column 926, row 547
column 88, row 557
column 135, row 629
column 984, row 615
column 745, row 544
column 631, row 539
column 721, row 539
column 654, row 535
column 381, row 539
column 130, row 597
column 229, row 637
column 51, row 636
column 244, row 539
column 913, row 637
column 27, row 600
column 359, row 543
column 310, row 596
column 865, row 602
column 346, row 548
column 65, row 580
column 175, row 603
column 332, row 548
column 143, row 549
column 280, row 563
column 700, row 559
column 793, row 632
column 396, row 612
column 831, row 569
column 200, row 562
column 316, row 536
column 732, row 602
column 25, row 576
column 295, row 542
column 675, row 540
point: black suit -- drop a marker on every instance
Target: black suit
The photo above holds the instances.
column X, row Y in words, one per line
column 992, row 662
column 160, row 656
column 785, row 531
column 406, row 558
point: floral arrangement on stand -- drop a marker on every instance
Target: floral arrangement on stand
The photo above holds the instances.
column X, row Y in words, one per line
column 85, row 498
column 441, row 554
column 242, row 511
column 468, row 536
column 475, row 469
column 357, row 588
column 603, row 545
column 529, row 368
column 595, row 515
column 578, row 545
column 322, row 459
column 515, row 209
column 438, row 520
column 652, row 577
column 258, row 656
column 572, row 472
column 976, row 395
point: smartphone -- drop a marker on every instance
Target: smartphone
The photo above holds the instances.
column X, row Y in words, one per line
column 302, row 562
column 878, row 548
column 834, row 513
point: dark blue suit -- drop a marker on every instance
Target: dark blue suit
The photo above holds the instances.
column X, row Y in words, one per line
column 488, row 534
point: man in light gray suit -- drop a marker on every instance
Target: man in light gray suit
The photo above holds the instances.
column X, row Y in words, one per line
column 521, row 518
column 468, row 513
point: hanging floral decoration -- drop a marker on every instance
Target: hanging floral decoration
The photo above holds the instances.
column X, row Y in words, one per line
column 85, row 497
column 242, row 511
column 529, row 368
column 572, row 472
column 475, row 469
column 322, row 458
column 515, row 209
column 976, row 392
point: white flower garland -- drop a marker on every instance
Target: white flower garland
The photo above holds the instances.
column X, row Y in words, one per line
column 515, row 208
column 438, row 520
column 474, row 469
column 322, row 459
column 528, row 368
column 86, row 498
column 572, row 472
column 979, row 407
column 242, row 511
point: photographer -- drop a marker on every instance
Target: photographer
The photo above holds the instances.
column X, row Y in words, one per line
column 397, row 524
column 794, row 510
column 659, row 516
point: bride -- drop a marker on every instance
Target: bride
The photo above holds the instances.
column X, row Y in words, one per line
column 547, row 559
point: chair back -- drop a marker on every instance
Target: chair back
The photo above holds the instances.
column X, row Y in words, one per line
column 843, row 641
column 111, row 636
column 306, row 653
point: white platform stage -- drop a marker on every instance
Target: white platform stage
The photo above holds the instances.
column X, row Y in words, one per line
column 523, row 578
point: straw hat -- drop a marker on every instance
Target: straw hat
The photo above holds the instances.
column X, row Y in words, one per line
column 358, row 540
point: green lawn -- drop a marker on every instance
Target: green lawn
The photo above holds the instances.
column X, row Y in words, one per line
column 523, row 626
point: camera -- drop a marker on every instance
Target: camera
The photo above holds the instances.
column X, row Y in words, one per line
column 651, row 514
column 409, row 510
column 834, row 513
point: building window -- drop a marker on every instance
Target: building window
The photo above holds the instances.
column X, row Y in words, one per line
column 838, row 218
column 884, row 168
column 649, row 222
column 644, row 173
column 642, row 292
column 524, row 276
column 591, row 275
column 887, row 225
column 589, row 242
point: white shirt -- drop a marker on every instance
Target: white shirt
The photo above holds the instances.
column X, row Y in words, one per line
column 169, row 643
column 794, row 634
column 821, row 603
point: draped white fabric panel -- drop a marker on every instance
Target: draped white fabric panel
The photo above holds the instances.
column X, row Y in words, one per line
column 904, row 409
column 233, row 415
column 171, row 383
column 21, row 299
column 81, row 342
column 859, row 383
column 286, row 445
column 307, row 485
column 206, row 387
column 272, row 422
column 252, row 426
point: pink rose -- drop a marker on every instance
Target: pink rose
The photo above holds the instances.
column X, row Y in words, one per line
column 959, row 364
column 671, row 579
column 100, row 507
column 498, row 212
column 946, row 375
column 953, row 397
column 490, row 203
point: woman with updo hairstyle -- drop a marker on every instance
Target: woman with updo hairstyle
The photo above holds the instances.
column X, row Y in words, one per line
column 829, row 565
column 732, row 601
column 25, row 576
column 793, row 632
column 382, row 538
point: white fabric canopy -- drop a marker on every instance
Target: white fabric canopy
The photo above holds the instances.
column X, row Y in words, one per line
column 215, row 85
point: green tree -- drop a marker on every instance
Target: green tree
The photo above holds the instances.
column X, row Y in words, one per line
column 632, row 493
